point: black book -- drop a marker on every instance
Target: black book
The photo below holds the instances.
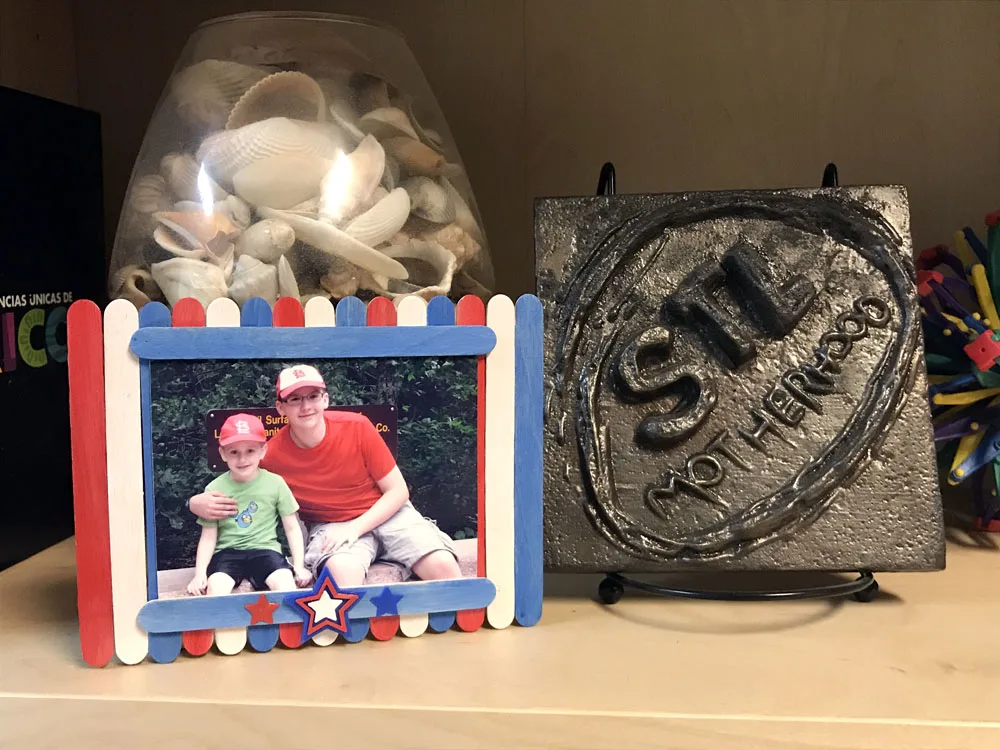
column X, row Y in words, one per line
column 51, row 253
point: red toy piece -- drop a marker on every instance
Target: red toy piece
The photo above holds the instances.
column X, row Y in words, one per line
column 984, row 351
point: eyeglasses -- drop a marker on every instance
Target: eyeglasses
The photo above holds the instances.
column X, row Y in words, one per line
column 312, row 398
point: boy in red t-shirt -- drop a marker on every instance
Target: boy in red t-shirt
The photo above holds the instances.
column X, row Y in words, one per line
column 348, row 487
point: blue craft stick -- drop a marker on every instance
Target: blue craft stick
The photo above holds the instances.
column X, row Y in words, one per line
column 351, row 313
column 440, row 312
column 341, row 342
column 262, row 638
column 209, row 612
column 356, row 631
column 977, row 246
column 960, row 383
column 254, row 313
column 164, row 647
column 440, row 622
column 528, row 408
column 985, row 452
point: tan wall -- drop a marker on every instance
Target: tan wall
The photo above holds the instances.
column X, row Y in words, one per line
column 681, row 94
column 37, row 48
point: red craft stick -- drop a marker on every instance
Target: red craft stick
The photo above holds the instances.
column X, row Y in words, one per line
column 85, row 341
column 471, row 311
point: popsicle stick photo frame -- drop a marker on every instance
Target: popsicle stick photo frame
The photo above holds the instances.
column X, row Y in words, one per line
column 206, row 511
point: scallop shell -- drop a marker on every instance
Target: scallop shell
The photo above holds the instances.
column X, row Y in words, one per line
column 252, row 278
column 195, row 235
column 380, row 222
column 287, row 286
column 134, row 284
column 206, row 91
column 440, row 259
column 266, row 240
column 285, row 94
column 387, row 122
column 463, row 214
column 416, row 157
column 181, row 173
column 351, row 181
column 429, row 200
column 184, row 277
column 281, row 181
column 227, row 152
column 332, row 241
column 150, row 194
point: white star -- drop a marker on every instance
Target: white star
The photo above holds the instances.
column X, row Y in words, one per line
column 326, row 607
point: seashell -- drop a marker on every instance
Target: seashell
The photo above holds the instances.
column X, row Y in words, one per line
column 185, row 277
column 387, row 122
column 195, row 235
column 181, row 173
column 431, row 137
column 227, row 152
column 237, row 211
column 380, row 222
column 309, row 208
column 266, row 240
column 281, row 181
column 134, row 284
column 287, row 286
column 351, row 181
column 343, row 280
column 332, row 241
column 416, row 157
column 372, row 93
column 463, row 214
column 429, row 200
column 343, row 116
column 206, row 91
column 438, row 258
column 455, row 240
column 390, row 178
column 286, row 94
column 252, row 278
column 150, row 194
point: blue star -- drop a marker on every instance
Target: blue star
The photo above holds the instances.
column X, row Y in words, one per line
column 386, row 603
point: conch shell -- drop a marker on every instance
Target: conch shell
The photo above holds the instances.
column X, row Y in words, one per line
column 429, row 200
column 252, row 278
column 387, row 122
column 181, row 172
column 383, row 220
column 134, row 284
column 285, row 94
column 281, row 181
column 329, row 239
column 416, row 157
column 227, row 152
column 351, row 181
column 184, row 277
column 266, row 240
column 206, row 91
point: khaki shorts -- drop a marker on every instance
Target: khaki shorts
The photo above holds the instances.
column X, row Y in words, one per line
column 402, row 540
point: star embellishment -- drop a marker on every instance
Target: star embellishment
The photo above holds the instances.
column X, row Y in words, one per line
column 386, row 603
column 325, row 607
column 262, row 611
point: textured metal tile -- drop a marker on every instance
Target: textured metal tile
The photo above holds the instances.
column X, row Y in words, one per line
column 735, row 380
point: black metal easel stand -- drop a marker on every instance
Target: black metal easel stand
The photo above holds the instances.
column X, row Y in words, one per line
column 612, row 588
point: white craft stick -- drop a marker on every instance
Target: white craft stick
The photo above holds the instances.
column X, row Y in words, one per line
column 500, row 461
column 126, row 514
column 223, row 312
column 412, row 311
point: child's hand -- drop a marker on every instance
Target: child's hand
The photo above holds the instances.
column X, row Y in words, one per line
column 198, row 585
column 302, row 577
column 339, row 538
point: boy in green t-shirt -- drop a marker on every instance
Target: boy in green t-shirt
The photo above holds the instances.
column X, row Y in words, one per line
column 245, row 546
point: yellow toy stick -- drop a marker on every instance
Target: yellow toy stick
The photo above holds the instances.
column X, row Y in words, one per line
column 965, row 447
column 963, row 250
column 985, row 297
column 964, row 397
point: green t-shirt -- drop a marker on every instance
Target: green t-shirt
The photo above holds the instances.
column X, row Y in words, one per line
column 260, row 503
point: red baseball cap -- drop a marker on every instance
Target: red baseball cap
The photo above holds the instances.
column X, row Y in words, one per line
column 242, row 427
column 298, row 376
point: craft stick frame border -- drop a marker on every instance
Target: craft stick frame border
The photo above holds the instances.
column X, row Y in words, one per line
column 108, row 360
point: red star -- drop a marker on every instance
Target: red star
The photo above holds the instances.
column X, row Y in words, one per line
column 262, row 611
column 325, row 607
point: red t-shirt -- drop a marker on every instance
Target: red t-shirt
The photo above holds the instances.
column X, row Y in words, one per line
column 336, row 480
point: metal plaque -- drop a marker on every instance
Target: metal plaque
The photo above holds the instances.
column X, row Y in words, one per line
column 735, row 380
